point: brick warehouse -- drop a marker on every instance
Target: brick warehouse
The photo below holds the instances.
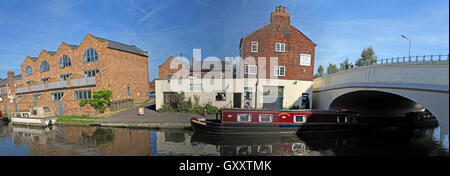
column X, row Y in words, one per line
column 62, row 78
column 252, row 80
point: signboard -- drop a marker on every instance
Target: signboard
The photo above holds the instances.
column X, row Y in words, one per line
column 305, row 59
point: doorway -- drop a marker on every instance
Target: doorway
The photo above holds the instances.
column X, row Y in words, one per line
column 237, row 100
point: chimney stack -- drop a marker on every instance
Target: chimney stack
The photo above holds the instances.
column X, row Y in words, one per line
column 280, row 16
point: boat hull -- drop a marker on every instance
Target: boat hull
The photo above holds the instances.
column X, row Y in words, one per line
column 41, row 122
column 212, row 127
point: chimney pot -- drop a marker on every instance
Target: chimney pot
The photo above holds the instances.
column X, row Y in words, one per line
column 284, row 9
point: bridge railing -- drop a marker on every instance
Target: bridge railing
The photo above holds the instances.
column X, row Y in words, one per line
column 397, row 60
column 412, row 59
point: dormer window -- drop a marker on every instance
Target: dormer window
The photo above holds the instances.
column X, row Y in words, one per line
column 28, row 71
column 279, row 47
column 90, row 55
column 254, row 47
column 44, row 66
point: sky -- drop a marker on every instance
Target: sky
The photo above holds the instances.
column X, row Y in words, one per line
column 169, row 27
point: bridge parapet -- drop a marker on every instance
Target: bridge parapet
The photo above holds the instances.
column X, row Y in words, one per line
column 432, row 73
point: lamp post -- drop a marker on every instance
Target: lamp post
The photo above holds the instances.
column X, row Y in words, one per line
column 409, row 50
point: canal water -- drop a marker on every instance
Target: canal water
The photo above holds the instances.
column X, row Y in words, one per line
column 100, row 141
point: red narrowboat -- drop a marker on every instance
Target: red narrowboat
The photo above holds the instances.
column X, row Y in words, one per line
column 257, row 121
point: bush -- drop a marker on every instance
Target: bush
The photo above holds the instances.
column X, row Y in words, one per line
column 99, row 100
column 180, row 104
column 210, row 109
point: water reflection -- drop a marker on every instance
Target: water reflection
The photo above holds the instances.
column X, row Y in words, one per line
column 92, row 141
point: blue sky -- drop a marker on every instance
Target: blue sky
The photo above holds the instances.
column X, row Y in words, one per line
column 168, row 27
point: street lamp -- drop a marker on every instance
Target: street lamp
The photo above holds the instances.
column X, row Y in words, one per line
column 409, row 50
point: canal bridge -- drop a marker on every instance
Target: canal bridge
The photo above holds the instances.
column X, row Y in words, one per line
column 389, row 87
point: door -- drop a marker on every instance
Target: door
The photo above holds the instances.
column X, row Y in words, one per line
column 273, row 97
column 15, row 104
column 237, row 100
column 60, row 108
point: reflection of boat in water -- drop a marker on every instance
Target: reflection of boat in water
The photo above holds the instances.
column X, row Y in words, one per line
column 32, row 133
column 37, row 116
column 254, row 145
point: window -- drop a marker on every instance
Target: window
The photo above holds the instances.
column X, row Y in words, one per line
column 279, row 47
column 128, row 91
column 90, row 55
column 91, row 73
column 36, row 97
column 57, row 96
column 83, row 94
column 46, row 109
column 29, row 82
column 43, row 80
column 244, row 118
column 342, row 119
column 299, row 119
column 248, row 94
column 44, row 66
column 254, row 47
column 305, row 59
column 250, row 69
column 169, row 97
column 28, row 71
column 65, row 76
column 280, row 71
column 265, row 118
column 195, row 87
column 64, row 61
column 171, row 77
column 221, row 96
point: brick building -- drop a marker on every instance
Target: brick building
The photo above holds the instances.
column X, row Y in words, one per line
column 276, row 70
column 60, row 79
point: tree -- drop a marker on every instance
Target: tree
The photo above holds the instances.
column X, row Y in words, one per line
column 100, row 100
column 345, row 65
column 332, row 68
column 367, row 57
column 320, row 71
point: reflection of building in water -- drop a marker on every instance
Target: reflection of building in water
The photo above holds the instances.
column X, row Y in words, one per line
column 84, row 141
column 178, row 143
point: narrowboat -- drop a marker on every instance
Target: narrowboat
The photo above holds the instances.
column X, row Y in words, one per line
column 3, row 119
column 37, row 116
column 263, row 121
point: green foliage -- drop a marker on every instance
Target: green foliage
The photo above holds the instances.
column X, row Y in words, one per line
column 320, row 71
column 345, row 65
column 101, row 136
column 367, row 57
column 332, row 68
column 100, row 100
column 180, row 104
column 210, row 109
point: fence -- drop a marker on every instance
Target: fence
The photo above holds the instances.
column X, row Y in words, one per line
column 400, row 60
column 121, row 104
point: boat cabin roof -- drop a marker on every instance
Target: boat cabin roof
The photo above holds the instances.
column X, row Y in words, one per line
column 316, row 111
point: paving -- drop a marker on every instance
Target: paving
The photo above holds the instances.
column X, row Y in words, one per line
column 150, row 119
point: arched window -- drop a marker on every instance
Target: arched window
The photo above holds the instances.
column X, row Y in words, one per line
column 28, row 71
column 64, row 61
column 44, row 66
column 90, row 55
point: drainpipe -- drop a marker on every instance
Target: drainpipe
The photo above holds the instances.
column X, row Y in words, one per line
column 256, row 94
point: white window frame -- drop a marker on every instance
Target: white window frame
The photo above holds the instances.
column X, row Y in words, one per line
column 303, row 61
column 295, row 118
column 248, row 68
column 254, row 43
column 239, row 117
column 271, row 118
column 280, row 49
column 277, row 71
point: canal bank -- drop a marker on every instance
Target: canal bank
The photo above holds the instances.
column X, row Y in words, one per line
column 151, row 119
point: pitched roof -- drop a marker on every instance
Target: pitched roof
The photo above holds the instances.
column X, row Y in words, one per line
column 73, row 46
column 123, row 47
column 34, row 59
column 51, row 52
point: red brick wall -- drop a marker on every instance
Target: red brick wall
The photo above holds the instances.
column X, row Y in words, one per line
column 118, row 70
column 280, row 31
